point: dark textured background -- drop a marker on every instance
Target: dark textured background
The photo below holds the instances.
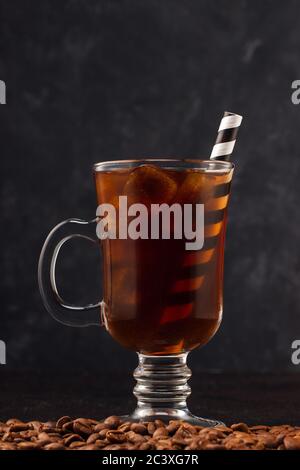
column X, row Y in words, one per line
column 96, row 80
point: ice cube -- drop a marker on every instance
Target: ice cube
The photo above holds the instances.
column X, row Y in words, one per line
column 148, row 184
column 124, row 294
column 197, row 187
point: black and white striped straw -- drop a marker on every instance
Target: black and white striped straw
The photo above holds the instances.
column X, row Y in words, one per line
column 226, row 137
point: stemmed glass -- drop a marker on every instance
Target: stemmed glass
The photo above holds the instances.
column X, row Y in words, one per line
column 159, row 298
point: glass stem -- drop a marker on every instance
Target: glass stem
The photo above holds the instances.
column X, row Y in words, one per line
column 161, row 389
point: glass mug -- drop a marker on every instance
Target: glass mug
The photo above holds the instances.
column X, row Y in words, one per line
column 160, row 299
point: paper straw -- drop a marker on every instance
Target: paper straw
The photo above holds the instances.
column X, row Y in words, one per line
column 222, row 150
column 226, row 137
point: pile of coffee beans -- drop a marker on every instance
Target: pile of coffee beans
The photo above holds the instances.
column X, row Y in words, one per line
column 114, row 434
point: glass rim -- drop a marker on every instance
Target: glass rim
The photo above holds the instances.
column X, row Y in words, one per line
column 192, row 163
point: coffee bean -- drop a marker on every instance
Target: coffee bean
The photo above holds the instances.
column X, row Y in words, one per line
column 240, row 427
column 89, row 447
column 103, row 433
column 76, row 444
column 113, row 447
column 27, row 446
column 43, row 436
column 259, row 428
column 8, row 446
column 7, row 436
column 172, row 427
column 291, row 443
column 160, row 432
column 54, row 446
column 81, row 426
column 101, row 443
column 68, row 426
column 180, row 441
column 146, row 446
column 134, row 437
column 139, row 428
column 17, row 427
column 92, row 438
column 159, row 423
column 215, row 447
column 224, row 429
column 13, row 421
column 63, row 420
column 28, row 434
column 99, row 427
column 73, row 437
column 115, row 436
column 126, row 427
column 151, row 428
column 112, row 422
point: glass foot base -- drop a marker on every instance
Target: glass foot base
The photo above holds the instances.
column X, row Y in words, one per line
column 171, row 414
column 162, row 390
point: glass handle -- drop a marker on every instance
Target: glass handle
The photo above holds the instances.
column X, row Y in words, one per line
column 59, row 309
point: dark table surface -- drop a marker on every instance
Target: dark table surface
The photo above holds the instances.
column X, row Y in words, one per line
column 251, row 398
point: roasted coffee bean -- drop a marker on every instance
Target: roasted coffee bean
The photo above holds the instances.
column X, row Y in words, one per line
column 146, row 446
column 27, row 446
column 151, row 428
column 7, row 436
column 28, row 434
column 63, row 420
column 126, row 427
column 93, row 422
column 92, row 438
column 114, row 447
column 291, row 443
column 49, row 425
column 89, row 447
column 134, row 437
column 8, row 446
column 215, row 447
column 43, row 436
column 115, row 436
column 103, row 433
column 81, row 426
column 183, row 431
column 259, row 428
column 36, row 425
column 17, row 427
column 180, row 441
column 172, row 427
column 73, row 437
column 112, row 422
column 99, row 427
column 76, row 444
column 240, row 427
column 224, row 429
column 68, row 426
column 101, row 443
column 139, row 428
column 13, row 421
column 160, row 432
column 54, row 446
column 159, row 423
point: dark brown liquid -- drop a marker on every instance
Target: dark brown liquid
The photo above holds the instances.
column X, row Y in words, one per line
column 161, row 298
